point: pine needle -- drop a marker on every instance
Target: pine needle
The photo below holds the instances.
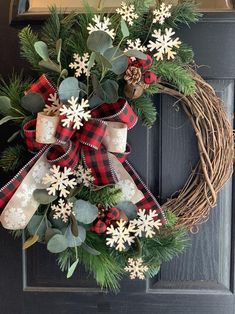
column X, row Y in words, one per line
column 12, row 158
column 145, row 109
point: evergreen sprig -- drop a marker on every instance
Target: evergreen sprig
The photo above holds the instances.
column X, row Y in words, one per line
column 12, row 158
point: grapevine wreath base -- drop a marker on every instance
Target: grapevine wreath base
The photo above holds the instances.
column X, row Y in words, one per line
column 72, row 188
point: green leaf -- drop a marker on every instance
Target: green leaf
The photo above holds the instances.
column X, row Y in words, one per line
column 124, row 28
column 128, row 208
column 68, row 88
column 74, row 226
column 5, row 105
column 73, row 241
column 13, row 136
column 91, row 61
column 58, row 49
column 37, row 225
column 100, row 59
column 57, row 244
column 8, row 118
column 108, row 91
column 85, row 212
column 50, row 232
column 42, row 50
column 42, row 196
column 118, row 60
column 50, row 65
column 90, row 250
column 33, row 102
column 99, row 41
column 72, row 269
column 136, row 53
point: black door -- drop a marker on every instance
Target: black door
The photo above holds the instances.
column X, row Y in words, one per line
column 199, row 282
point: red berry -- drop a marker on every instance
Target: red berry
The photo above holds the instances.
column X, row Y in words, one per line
column 150, row 77
column 146, row 64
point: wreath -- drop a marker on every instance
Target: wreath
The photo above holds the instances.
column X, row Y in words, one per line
column 72, row 187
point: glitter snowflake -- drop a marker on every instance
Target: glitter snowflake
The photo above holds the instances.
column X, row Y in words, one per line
column 80, row 64
column 84, row 176
column 62, row 210
column 75, row 113
column 39, row 171
column 146, row 223
column 25, row 194
column 59, row 181
column 136, row 268
column 121, row 235
column 162, row 13
column 128, row 189
column 135, row 45
column 128, row 13
column 101, row 26
column 15, row 218
column 164, row 44
column 54, row 108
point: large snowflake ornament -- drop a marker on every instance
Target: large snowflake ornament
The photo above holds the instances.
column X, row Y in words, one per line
column 136, row 268
column 84, row 176
column 80, row 64
column 15, row 218
column 62, row 210
column 54, row 108
column 59, row 181
column 164, row 44
column 162, row 13
column 101, row 26
column 127, row 12
column 146, row 223
column 75, row 113
column 121, row 235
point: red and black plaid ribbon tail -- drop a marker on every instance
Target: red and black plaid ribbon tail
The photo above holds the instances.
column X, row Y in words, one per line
column 42, row 86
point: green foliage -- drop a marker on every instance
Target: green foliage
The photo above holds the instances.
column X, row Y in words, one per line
column 185, row 54
column 27, row 41
column 12, row 158
column 107, row 196
column 177, row 75
column 16, row 233
column 145, row 109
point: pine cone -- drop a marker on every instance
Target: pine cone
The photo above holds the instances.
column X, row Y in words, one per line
column 133, row 75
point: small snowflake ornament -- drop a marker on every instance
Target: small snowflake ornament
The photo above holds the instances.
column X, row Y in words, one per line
column 101, row 26
column 135, row 45
column 127, row 12
column 54, row 108
column 75, row 113
column 62, row 210
column 120, row 235
column 136, row 268
column 59, row 181
column 146, row 223
column 84, row 176
column 162, row 13
column 164, row 44
column 80, row 64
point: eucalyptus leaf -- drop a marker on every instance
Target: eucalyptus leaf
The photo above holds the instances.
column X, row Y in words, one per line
column 85, row 212
column 5, row 105
column 118, row 60
column 104, row 62
column 90, row 250
column 72, row 269
column 50, row 65
column 13, row 136
column 136, row 53
column 37, row 225
column 8, row 118
column 57, row 244
column 124, row 29
column 30, row 242
column 50, row 232
column 99, row 41
column 42, row 50
column 64, row 73
column 108, row 91
column 83, row 89
column 128, row 208
column 91, row 61
column 74, row 225
column 42, row 196
column 33, row 102
column 57, row 223
column 73, row 241
column 58, row 49
column 95, row 101
column 68, row 88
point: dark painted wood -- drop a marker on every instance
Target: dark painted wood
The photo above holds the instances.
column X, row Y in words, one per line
column 201, row 281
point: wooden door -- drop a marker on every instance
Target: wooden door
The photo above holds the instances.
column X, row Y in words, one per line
column 199, row 282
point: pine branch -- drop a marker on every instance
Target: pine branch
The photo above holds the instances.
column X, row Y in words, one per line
column 177, row 75
column 12, row 158
column 107, row 196
column 185, row 54
column 27, row 40
column 145, row 109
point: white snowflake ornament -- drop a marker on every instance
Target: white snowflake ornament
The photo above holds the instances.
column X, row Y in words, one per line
column 75, row 113
column 54, row 108
column 164, row 44
column 15, row 218
column 127, row 12
column 121, row 235
column 162, row 13
column 135, row 45
column 84, row 176
column 101, row 26
column 59, row 181
column 146, row 223
column 62, row 210
column 136, row 268
column 80, row 64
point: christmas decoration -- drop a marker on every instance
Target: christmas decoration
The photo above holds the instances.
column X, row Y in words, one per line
column 75, row 191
